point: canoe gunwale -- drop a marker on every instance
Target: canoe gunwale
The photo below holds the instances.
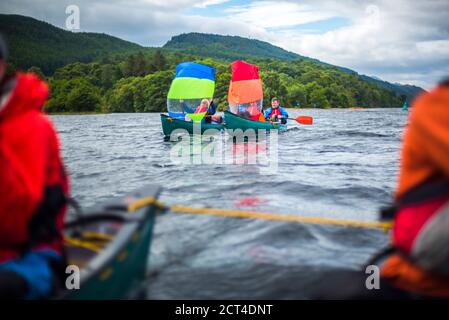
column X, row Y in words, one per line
column 186, row 125
column 252, row 124
column 132, row 223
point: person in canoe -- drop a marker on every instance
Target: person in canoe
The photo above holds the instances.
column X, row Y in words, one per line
column 33, row 189
column 416, row 266
column 204, row 106
column 276, row 112
column 251, row 111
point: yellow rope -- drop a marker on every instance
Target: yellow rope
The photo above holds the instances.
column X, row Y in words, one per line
column 80, row 243
column 143, row 203
column 260, row 215
column 233, row 214
column 98, row 235
column 281, row 217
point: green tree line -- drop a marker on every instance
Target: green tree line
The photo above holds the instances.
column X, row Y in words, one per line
column 139, row 83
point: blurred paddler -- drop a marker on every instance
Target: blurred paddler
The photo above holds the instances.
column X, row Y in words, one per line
column 33, row 190
column 416, row 266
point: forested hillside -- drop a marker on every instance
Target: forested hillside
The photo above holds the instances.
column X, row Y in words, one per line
column 227, row 47
column 140, row 84
column 98, row 73
column 36, row 43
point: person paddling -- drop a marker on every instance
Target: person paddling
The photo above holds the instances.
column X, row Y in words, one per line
column 421, row 216
column 276, row 112
column 33, row 189
column 254, row 112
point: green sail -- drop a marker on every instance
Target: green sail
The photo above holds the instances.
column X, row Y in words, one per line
column 191, row 88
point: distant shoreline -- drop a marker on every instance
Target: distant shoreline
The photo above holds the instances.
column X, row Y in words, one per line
column 296, row 109
column 74, row 113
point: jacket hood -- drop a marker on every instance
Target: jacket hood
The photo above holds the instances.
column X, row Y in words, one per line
column 29, row 93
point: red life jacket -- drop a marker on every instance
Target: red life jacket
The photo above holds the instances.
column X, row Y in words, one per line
column 420, row 233
column 200, row 109
column 254, row 113
column 275, row 112
column 33, row 183
column 421, row 226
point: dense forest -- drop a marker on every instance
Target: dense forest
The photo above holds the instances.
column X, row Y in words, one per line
column 140, row 83
column 98, row 73
column 227, row 47
column 36, row 43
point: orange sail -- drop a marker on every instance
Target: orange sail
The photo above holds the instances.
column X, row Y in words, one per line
column 246, row 85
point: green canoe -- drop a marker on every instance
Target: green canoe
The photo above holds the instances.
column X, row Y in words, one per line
column 170, row 124
column 110, row 246
column 233, row 121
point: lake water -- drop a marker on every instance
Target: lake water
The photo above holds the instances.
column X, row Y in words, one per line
column 343, row 166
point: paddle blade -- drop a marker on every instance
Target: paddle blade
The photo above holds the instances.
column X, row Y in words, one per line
column 304, row 120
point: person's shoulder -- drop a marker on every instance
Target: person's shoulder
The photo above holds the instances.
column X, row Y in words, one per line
column 40, row 120
column 433, row 98
column 431, row 105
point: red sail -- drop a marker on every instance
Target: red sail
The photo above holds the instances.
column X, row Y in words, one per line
column 242, row 70
column 246, row 85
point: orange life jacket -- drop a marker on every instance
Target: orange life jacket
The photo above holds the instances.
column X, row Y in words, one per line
column 421, row 223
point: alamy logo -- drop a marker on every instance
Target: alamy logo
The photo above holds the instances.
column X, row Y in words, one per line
column 72, row 282
column 373, row 280
column 73, row 20
column 236, row 147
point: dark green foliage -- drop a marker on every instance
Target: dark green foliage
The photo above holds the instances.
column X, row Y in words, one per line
column 36, row 43
column 140, row 94
column 232, row 48
column 273, row 87
column 111, row 75
column 74, row 95
column 409, row 91
column 83, row 98
column 226, row 47
column 158, row 62
column 137, row 65
column 297, row 83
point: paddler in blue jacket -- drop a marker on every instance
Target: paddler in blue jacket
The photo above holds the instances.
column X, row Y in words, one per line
column 276, row 112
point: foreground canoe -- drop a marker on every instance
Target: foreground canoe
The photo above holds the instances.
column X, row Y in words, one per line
column 170, row 124
column 233, row 121
column 110, row 246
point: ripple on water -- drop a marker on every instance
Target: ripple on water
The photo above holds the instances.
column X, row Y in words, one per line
column 343, row 166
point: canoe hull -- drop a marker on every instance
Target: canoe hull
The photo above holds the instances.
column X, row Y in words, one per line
column 118, row 271
column 170, row 124
column 234, row 122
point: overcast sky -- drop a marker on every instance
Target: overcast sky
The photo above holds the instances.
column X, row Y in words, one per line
column 404, row 41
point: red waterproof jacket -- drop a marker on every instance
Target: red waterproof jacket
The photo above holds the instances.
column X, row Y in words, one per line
column 33, row 183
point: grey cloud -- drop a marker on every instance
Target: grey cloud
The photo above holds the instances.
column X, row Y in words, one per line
column 390, row 51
